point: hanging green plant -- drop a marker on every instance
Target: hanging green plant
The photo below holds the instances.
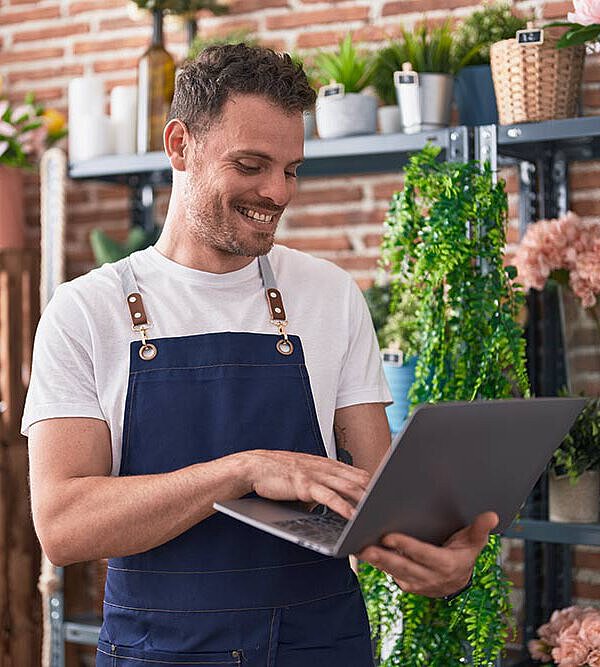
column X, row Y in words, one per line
column 444, row 239
column 106, row 249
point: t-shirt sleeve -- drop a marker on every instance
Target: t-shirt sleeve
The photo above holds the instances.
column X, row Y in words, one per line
column 62, row 382
column 362, row 379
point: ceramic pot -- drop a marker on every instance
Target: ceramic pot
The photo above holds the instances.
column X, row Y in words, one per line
column 388, row 119
column 400, row 378
column 574, row 503
column 426, row 106
column 345, row 116
column 12, row 211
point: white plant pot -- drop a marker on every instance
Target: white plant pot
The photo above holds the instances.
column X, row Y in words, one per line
column 426, row 106
column 310, row 125
column 345, row 116
column 574, row 503
column 388, row 119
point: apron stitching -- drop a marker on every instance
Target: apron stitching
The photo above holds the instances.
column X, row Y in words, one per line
column 318, row 439
column 270, row 638
column 249, row 569
column 165, row 662
column 125, row 445
column 188, row 368
column 213, row 611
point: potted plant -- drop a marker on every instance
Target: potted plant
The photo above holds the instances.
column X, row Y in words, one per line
column 394, row 317
column 26, row 131
column 583, row 26
column 570, row 637
column 574, row 483
column 347, row 112
column 429, row 53
column 474, row 87
column 106, row 249
column 389, row 59
column 564, row 254
column 444, row 241
column 310, row 124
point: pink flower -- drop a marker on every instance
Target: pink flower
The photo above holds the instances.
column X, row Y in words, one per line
column 589, row 631
column 34, row 141
column 593, row 658
column 571, row 652
column 539, row 650
column 587, row 12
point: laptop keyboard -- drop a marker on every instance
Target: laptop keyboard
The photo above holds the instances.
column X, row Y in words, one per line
column 319, row 527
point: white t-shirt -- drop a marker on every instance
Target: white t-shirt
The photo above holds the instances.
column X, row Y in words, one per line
column 81, row 350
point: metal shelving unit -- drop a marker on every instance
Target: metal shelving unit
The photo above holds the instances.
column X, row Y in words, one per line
column 542, row 151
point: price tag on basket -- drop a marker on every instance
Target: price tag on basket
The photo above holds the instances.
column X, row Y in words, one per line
column 530, row 36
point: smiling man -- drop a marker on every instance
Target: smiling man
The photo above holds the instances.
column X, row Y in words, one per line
column 210, row 366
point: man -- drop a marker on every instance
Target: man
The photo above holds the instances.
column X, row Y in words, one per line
column 193, row 372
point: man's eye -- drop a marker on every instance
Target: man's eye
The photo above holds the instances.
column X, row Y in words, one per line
column 247, row 168
column 291, row 174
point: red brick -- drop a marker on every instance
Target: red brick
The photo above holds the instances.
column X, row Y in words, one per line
column 412, row 6
column 48, row 73
column 41, row 95
column 386, row 190
column 105, row 192
column 30, row 54
column 121, row 23
column 316, row 243
column 591, row 73
column 510, row 179
column 246, row 6
column 584, row 179
column 49, row 33
column 587, row 559
column 22, row 16
column 79, row 196
column 512, row 234
column 125, row 81
column 557, row 10
column 110, row 45
column 330, row 196
column 372, row 240
column 333, row 15
column 225, row 27
column 585, row 590
column 275, row 44
column 588, row 363
column 356, row 263
column 370, row 33
column 586, row 207
column 115, row 65
column 94, row 5
column 337, row 219
column 309, row 40
column 591, row 98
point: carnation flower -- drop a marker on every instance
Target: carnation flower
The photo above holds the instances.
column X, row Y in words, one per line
column 567, row 245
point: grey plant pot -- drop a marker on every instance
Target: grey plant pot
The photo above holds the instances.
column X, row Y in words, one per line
column 475, row 96
column 574, row 503
column 346, row 116
column 388, row 119
column 310, row 125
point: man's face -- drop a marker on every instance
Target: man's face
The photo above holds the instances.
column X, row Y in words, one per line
column 241, row 176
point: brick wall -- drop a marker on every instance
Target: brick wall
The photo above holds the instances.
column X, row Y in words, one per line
column 44, row 44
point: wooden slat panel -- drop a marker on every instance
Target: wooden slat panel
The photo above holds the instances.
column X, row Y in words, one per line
column 20, row 603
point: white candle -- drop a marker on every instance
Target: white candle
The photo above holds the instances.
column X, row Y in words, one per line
column 123, row 115
column 85, row 98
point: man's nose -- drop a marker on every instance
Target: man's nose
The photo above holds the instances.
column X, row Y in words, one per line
column 278, row 188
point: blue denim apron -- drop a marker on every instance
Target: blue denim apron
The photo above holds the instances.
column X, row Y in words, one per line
column 224, row 593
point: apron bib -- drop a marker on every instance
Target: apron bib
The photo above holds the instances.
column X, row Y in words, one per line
column 224, row 593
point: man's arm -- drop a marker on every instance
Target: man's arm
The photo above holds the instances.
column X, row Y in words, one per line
column 82, row 513
column 417, row 567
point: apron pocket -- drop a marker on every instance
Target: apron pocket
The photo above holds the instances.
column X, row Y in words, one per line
column 116, row 655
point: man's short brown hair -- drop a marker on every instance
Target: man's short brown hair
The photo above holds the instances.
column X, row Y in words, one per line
column 204, row 85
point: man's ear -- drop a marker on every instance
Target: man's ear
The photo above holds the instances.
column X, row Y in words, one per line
column 176, row 140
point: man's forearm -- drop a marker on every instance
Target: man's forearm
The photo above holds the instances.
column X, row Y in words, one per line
column 103, row 517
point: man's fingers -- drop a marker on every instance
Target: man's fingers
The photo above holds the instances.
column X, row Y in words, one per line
column 479, row 530
column 348, row 489
column 326, row 496
column 403, row 568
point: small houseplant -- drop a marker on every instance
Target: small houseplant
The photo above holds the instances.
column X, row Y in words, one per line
column 26, row 131
column 351, row 112
column 393, row 311
column 388, row 60
column 574, row 488
column 474, row 91
column 444, row 240
column 429, row 50
column 583, row 26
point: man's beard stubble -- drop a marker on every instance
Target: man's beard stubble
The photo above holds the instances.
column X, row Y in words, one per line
column 210, row 224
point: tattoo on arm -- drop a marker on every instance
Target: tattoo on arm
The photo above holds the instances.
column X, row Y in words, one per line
column 341, row 440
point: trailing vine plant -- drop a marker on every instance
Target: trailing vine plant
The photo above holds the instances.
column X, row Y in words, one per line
column 444, row 239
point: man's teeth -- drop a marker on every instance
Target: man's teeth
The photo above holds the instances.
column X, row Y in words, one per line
column 254, row 215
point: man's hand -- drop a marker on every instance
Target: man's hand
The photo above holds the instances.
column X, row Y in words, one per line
column 281, row 475
column 418, row 567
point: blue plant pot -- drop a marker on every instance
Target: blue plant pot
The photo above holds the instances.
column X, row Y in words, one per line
column 475, row 96
column 400, row 380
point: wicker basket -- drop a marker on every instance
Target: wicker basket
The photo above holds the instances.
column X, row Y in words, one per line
column 536, row 82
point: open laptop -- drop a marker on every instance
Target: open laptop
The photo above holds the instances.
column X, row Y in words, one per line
column 451, row 462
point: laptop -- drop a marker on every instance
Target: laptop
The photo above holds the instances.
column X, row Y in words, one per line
column 451, row 462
